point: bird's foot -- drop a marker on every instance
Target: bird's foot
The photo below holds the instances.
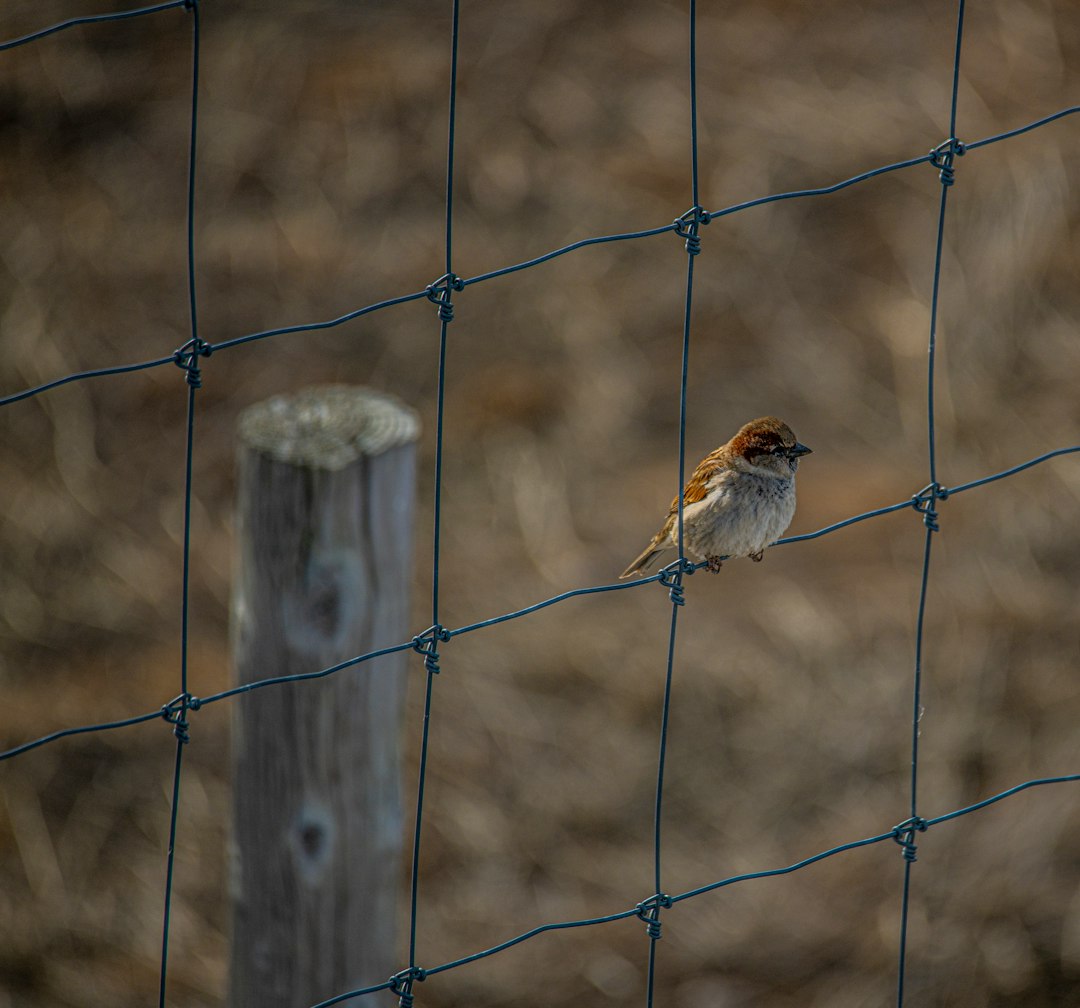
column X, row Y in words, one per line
column 713, row 563
column 758, row 556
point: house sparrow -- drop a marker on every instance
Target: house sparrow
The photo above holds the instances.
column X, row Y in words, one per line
column 739, row 499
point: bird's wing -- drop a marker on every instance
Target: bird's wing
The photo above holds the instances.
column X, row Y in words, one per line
column 697, row 486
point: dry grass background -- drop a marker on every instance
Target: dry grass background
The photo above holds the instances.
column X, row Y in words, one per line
column 322, row 145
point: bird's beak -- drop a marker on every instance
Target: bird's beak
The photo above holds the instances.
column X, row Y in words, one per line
column 799, row 449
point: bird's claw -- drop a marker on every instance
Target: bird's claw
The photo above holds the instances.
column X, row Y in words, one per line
column 713, row 564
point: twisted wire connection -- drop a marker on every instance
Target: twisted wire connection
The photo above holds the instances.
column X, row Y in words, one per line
column 671, row 577
column 401, row 984
column 187, row 359
column 175, row 713
column 649, row 912
column 425, row 644
column 688, row 226
column 923, row 502
column 439, row 293
column 904, row 835
column 943, row 156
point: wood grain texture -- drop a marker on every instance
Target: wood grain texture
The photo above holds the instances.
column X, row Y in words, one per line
column 324, row 519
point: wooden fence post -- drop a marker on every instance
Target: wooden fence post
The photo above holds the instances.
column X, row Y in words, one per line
column 324, row 518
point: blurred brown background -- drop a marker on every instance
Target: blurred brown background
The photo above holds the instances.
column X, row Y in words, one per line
column 320, row 190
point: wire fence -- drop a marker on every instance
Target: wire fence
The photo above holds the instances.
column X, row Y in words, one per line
column 652, row 907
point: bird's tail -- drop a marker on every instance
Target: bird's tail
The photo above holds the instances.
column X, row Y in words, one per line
column 643, row 562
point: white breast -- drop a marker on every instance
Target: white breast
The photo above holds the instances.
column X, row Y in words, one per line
column 741, row 514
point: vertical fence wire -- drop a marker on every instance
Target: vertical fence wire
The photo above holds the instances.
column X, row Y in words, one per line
column 441, row 293
column 660, row 900
column 906, row 834
column 176, row 712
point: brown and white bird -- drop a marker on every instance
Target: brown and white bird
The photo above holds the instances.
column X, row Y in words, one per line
column 739, row 499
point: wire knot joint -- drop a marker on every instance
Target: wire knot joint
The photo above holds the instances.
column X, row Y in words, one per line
column 942, row 157
column 438, row 293
column 401, row 984
column 687, row 226
column 904, row 834
column 425, row 644
column 187, row 359
column 649, row 911
column 671, row 578
column 175, row 712
column 923, row 502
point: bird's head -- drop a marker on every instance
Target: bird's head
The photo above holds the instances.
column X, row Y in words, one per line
column 769, row 443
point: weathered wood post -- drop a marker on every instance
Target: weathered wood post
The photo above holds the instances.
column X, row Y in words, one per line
column 324, row 517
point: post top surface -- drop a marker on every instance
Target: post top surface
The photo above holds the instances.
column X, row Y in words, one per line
column 329, row 426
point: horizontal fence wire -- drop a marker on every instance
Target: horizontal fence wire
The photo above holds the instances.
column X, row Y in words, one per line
column 419, row 642
column 896, row 834
column 924, row 502
column 419, row 295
